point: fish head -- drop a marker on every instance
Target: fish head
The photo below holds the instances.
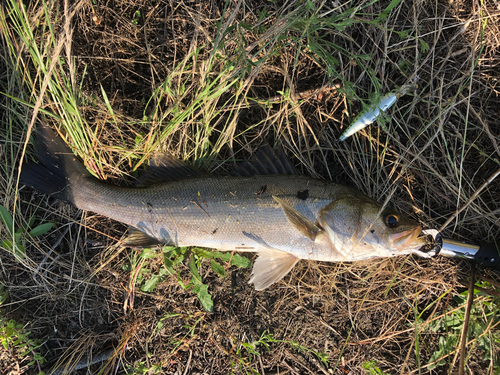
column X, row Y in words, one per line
column 360, row 228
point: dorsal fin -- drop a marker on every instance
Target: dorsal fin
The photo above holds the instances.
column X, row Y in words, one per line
column 265, row 161
column 164, row 168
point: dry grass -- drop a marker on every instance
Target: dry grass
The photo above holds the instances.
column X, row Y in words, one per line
column 123, row 80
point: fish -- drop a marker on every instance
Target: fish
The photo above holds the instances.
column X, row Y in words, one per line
column 373, row 112
column 263, row 206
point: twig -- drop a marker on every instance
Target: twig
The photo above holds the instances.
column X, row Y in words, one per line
column 488, row 291
column 491, row 281
column 463, row 341
column 188, row 362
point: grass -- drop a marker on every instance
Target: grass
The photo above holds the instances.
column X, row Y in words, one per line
column 208, row 83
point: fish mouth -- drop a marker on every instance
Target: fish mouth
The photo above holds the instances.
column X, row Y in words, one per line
column 406, row 239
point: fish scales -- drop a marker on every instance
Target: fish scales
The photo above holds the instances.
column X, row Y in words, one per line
column 225, row 212
column 267, row 209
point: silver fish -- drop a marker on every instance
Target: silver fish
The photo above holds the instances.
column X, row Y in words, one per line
column 267, row 208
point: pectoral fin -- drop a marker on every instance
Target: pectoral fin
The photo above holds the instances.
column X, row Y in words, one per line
column 270, row 267
column 299, row 221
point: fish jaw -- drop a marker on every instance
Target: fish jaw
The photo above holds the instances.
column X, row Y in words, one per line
column 407, row 240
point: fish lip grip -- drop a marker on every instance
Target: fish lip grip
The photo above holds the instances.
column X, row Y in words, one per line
column 438, row 241
column 484, row 254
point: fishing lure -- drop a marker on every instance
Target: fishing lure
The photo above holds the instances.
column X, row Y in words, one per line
column 368, row 116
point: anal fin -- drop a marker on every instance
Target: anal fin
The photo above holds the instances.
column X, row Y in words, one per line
column 137, row 238
column 270, row 267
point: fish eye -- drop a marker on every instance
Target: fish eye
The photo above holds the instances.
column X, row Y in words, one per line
column 391, row 220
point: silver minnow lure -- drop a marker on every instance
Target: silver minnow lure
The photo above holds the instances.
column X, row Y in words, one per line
column 368, row 116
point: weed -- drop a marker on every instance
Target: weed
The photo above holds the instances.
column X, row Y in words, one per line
column 265, row 341
column 14, row 339
column 16, row 238
column 173, row 257
column 372, row 368
column 137, row 17
column 484, row 315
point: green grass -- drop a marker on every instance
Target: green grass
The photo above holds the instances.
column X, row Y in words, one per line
column 16, row 340
column 172, row 260
column 484, row 318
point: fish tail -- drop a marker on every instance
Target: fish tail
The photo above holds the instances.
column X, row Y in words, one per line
column 58, row 171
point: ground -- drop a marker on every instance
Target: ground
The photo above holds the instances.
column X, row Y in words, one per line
column 209, row 82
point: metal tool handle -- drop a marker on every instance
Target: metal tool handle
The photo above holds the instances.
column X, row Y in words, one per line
column 488, row 256
column 485, row 254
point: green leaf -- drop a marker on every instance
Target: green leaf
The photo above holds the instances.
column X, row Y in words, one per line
column 423, row 45
column 196, row 278
column 372, row 368
column 150, row 284
column 169, row 266
column 204, row 297
column 250, row 348
column 225, row 256
column 246, row 26
column 240, row 261
column 385, row 13
column 19, row 250
column 403, row 34
column 208, row 254
column 148, row 253
column 7, row 245
column 234, row 258
column 6, row 218
column 218, row 268
column 31, row 221
column 41, row 229
column 310, row 6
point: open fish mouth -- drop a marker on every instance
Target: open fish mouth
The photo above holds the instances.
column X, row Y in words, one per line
column 408, row 239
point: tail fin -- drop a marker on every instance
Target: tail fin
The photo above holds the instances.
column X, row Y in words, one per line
column 58, row 169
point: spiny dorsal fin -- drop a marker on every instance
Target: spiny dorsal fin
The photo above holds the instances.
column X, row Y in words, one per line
column 299, row 221
column 271, row 266
column 265, row 161
column 137, row 238
column 164, row 168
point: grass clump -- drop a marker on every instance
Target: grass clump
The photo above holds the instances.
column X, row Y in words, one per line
column 173, row 258
column 482, row 334
column 17, row 343
column 14, row 238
